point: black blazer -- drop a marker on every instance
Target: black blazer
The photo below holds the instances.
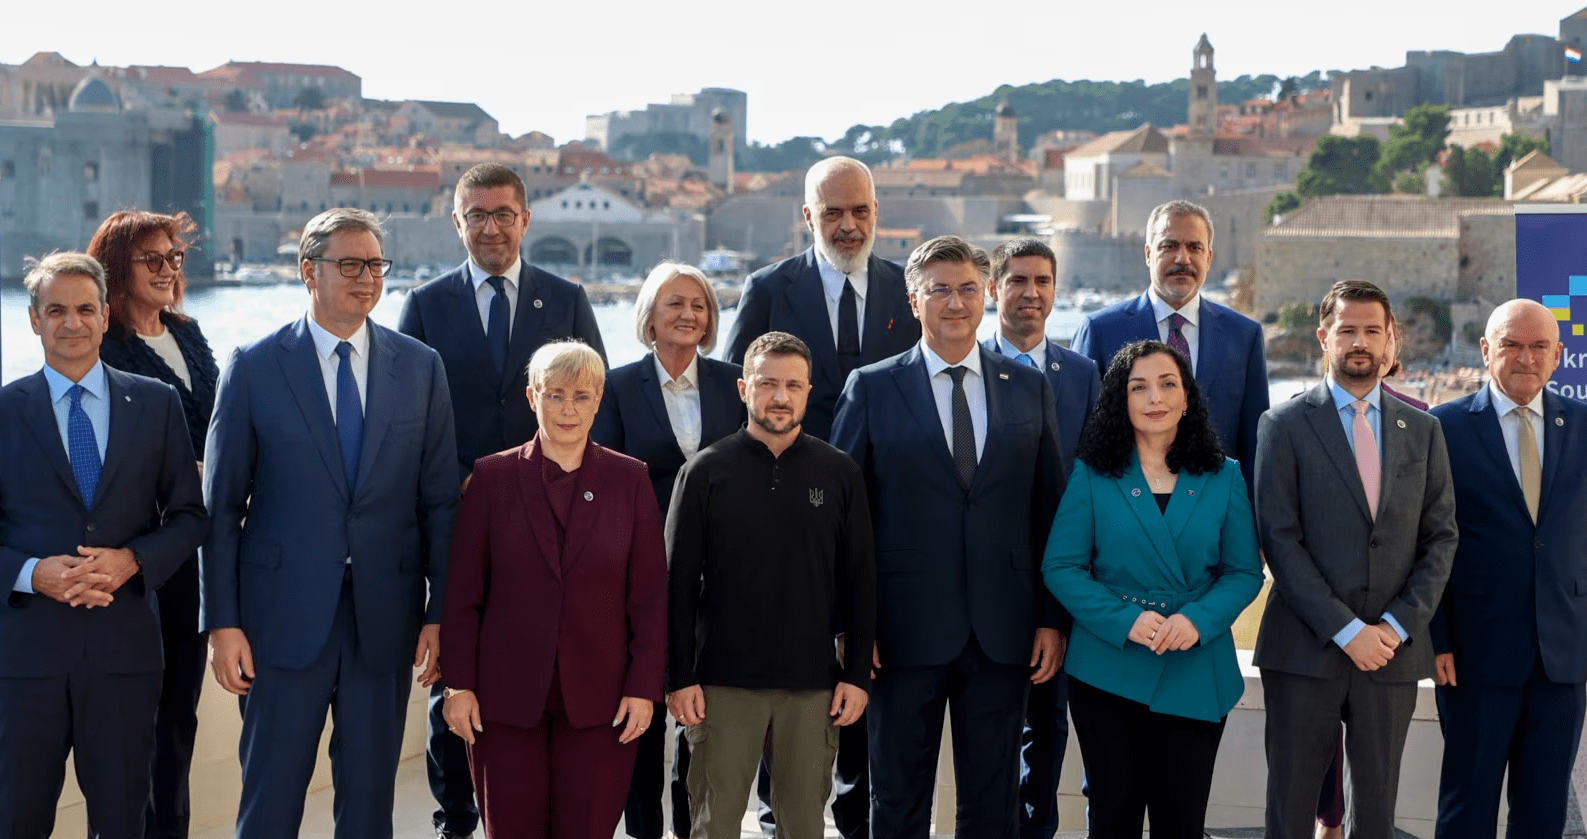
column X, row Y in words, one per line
column 633, row 417
column 492, row 413
column 788, row 297
column 148, row 500
column 125, row 351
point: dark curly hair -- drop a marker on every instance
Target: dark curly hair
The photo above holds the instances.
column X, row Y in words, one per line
column 1108, row 441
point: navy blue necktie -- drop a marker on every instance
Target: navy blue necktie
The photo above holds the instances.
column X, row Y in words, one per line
column 82, row 448
column 500, row 319
column 349, row 415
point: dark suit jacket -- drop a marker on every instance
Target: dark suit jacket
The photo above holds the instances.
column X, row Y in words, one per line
column 1231, row 365
column 950, row 562
column 633, row 418
column 1518, row 589
column 515, row 604
column 1076, row 385
column 787, row 297
column 283, row 522
column 148, row 500
column 492, row 413
column 1331, row 561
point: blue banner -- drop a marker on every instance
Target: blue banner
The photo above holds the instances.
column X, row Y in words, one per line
column 1551, row 268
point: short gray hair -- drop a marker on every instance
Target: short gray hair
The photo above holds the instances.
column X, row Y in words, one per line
column 645, row 306
column 566, row 360
column 318, row 232
column 944, row 249
column 43, row 270
column 1177, row 208
column 826, row 168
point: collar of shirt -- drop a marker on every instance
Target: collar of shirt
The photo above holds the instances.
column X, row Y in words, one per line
column 1161, row 310
column 688, row 380
column 832, row 280
column 478, row 275
column 325, row 343
column 1503, row 405
column 1037, row 353
column 935, row 364
column 1343, row 398
column 94, row 381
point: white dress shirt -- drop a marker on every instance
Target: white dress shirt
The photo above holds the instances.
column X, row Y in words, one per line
column 325, row 347
column 1037, row 353
column 682, row 398
column 1510, row 426
column 942, row 392
column 832, row 283
column 484, row 292
column 1191, row 312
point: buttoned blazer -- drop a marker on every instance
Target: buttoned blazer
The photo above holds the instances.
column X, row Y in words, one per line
column 788, row 297
column 1076, row 385
column 1331, row 561
column 148, row 499
column 516, row 605
column 951, row 561
column 1111, row 550
column 633, row 417
column 1518, row 589
column 492, row 413
column 1231, row 366
column 283, row 523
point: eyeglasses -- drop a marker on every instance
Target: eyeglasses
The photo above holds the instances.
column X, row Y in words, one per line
column 969, row 291
column 504, row 218
column 351, row 268
column 153, row 261
column 555, row 402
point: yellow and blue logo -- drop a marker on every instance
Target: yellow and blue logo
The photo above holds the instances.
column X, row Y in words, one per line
column 1560, row 305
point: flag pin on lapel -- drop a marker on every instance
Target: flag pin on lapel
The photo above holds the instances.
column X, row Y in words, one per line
column 1002, row 376
column 538, row 304
column 1560, row 421
column 1400, row 423
column 1055, row 366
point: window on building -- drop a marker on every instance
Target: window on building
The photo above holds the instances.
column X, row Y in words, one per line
column 8, row 169
column 91, row 171
column 91, row 210
column 564, row 203
column 1250, row 170
column 405, row 207
column 1367, row 96
column 606, row 205
column 1280, row 171
column 1201, row 91
column 579, row 205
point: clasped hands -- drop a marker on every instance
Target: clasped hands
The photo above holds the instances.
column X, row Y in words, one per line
column 1373, row 647
column 89, row 579
column 1160, row 634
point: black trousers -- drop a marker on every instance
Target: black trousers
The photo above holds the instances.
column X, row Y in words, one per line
column 1140, row 762
column 176, row 721
column 446, row 768
column 1041, row 757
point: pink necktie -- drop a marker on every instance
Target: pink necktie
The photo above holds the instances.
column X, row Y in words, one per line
column 1367, row 462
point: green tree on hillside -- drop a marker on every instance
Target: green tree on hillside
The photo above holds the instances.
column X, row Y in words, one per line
column 1341, row 165
column 1412, row 145
column 1513, row 147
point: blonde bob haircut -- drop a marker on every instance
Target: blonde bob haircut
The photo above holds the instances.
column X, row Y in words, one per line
column 645, row 306
column 571, row 362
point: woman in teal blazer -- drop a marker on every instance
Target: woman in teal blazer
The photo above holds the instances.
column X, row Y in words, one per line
column 1153, row 551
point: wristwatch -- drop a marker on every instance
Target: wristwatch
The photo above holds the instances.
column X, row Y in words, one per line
column 448, row 693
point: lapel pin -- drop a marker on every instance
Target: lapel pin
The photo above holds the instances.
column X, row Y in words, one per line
column 589, row 496
column 1003, row 376
column 538, row 304
column 128, row 398
column 1191, row 492
column 1560, row 421
column 1136, row 492
column 890, row 324
column 1400, row 423
column 1055, row 366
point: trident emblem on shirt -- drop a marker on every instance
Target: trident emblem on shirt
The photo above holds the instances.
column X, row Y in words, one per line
column 816, row 497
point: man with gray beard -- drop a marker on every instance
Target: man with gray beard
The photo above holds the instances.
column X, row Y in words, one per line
column 852, row 309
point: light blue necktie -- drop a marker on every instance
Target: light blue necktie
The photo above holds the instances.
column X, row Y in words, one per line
column 82, row 447
column 1025, row 358
column 349, row 415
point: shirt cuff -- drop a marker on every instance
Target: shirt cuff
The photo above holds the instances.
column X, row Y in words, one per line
column 24, row 583
column 1400, row 630
column 1344, row 636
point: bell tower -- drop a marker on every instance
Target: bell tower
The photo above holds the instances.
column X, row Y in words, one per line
column 1202, row 114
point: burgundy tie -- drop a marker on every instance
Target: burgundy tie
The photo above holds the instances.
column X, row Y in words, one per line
column 1176, row 338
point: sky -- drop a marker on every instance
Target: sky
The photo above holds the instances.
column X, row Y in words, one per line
column 545, row 64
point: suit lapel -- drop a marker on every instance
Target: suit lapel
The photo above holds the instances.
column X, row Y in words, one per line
column 527, row 327
column 380, row 385
column 807, row 301
column 41, row 422
column 1397, row 445
column 909, row 375
column 1143, row 321
column 533, row 501
column 1485, row 421
column 123, row 426
column 710, row 428
column 1137, row 495
column 581, row 515
column 300, row 366
column 650, row 391
column 879, row 317
column 1210, row 342
column 462, row 316
column 1330, row 431
column 1554, row 436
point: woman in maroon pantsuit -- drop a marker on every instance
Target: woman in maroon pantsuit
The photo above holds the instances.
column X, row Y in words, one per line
column 553, row 638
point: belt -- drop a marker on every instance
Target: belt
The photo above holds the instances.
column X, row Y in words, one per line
column 1162, row 601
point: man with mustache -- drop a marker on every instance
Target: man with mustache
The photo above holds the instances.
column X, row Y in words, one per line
column 751, row 618
column 1355, row 508
column 1224, row 346
column 850, row 308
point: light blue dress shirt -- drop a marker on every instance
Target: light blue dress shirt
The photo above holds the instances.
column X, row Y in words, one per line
column 1347, row 415
column 96, row 404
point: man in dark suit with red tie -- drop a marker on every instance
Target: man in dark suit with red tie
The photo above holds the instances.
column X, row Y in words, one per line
column 486, row 318
column 1510, row 636
column 99, row 504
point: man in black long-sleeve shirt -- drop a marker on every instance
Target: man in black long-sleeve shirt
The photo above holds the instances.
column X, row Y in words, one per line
column 769, row 537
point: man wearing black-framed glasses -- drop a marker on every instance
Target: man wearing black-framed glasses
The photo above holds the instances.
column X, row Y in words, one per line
column 485, row 318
